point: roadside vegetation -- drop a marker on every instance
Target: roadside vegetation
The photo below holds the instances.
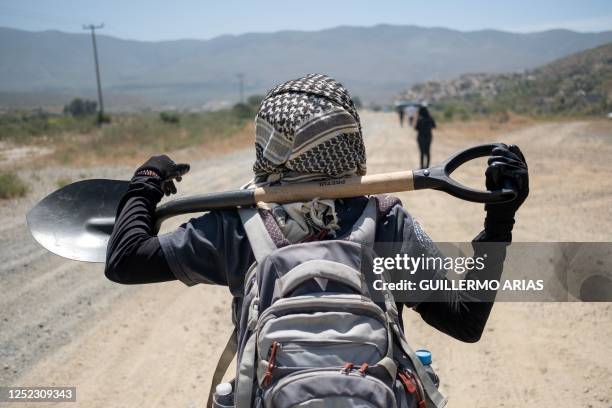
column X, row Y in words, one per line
column 63, row 181
column 75, row 136
column 579, row 85
column 11, row 186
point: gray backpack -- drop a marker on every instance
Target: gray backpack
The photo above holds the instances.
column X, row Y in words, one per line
column 308, row 333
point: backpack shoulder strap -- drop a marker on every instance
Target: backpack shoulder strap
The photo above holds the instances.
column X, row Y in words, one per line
column 433, row 395
column 262, row 246
column 259, row 238
column 224, row 361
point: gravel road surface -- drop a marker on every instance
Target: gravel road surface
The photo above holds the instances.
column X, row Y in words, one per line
column 62, row 323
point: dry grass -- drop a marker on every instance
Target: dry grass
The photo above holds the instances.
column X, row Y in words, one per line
column 130, row 139
column 96, row 150
column 11, row 186
column 485, row 128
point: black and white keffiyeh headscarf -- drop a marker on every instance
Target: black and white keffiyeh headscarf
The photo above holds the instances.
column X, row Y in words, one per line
column 308, row 129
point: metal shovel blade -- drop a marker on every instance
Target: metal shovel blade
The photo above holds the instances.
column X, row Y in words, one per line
column 76, row 221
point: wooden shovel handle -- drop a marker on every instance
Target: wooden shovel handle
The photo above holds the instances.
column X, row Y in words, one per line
column 337, row 188
column 436, row 177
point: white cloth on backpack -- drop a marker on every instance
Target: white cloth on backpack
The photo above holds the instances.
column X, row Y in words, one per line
column 298, row 221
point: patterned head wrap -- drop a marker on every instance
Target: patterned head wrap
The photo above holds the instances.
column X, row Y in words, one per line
column 308, row 129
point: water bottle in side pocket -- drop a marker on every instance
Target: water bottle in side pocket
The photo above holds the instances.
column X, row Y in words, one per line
column 223, row 396
column 425, row 357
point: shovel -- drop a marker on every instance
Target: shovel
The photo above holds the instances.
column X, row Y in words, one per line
column 77, row 220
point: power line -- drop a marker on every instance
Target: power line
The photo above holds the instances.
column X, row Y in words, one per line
column 241, row 78
column 93, row 29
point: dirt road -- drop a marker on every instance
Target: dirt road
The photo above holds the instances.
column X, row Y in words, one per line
column 62, row 323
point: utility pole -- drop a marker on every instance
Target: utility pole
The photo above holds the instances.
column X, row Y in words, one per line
column 241, row 78
column 93, row 29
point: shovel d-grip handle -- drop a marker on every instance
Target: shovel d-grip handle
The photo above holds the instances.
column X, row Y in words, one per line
column 438, row 177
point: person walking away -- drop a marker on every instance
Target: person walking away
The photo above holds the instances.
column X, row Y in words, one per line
column 411, row 111
column 424, row 124
column 302, row 129
column 399, row 108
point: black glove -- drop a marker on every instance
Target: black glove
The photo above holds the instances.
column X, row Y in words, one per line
column 165, row 169
column 507, row 169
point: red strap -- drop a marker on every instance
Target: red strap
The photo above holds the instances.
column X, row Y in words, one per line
column 271, row 364
column 413, row 380
column 408, row 384
column 411, row 388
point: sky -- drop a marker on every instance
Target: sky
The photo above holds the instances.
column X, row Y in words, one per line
column 155, row 20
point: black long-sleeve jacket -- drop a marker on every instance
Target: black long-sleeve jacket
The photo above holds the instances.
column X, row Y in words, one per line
column 214, row 249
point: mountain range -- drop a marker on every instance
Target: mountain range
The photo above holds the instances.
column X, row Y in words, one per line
column 375, row 63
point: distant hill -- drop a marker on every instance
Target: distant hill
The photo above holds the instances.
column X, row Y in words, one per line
column 373, row 62
column 578, row 84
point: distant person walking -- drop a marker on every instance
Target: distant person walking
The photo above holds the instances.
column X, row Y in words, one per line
column 411, row 111
column 400, row 111
column 424, row 124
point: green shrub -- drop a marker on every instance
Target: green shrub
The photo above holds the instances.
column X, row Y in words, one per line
column 12, row 186
column 81, row 107
column 103, row 118
column 449, row 112
column 244, row 111
column 169, row 117
column 255, row 100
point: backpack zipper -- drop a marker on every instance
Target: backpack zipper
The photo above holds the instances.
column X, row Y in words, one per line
column 267, row 379
column 344, row 302
column 325, row 371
